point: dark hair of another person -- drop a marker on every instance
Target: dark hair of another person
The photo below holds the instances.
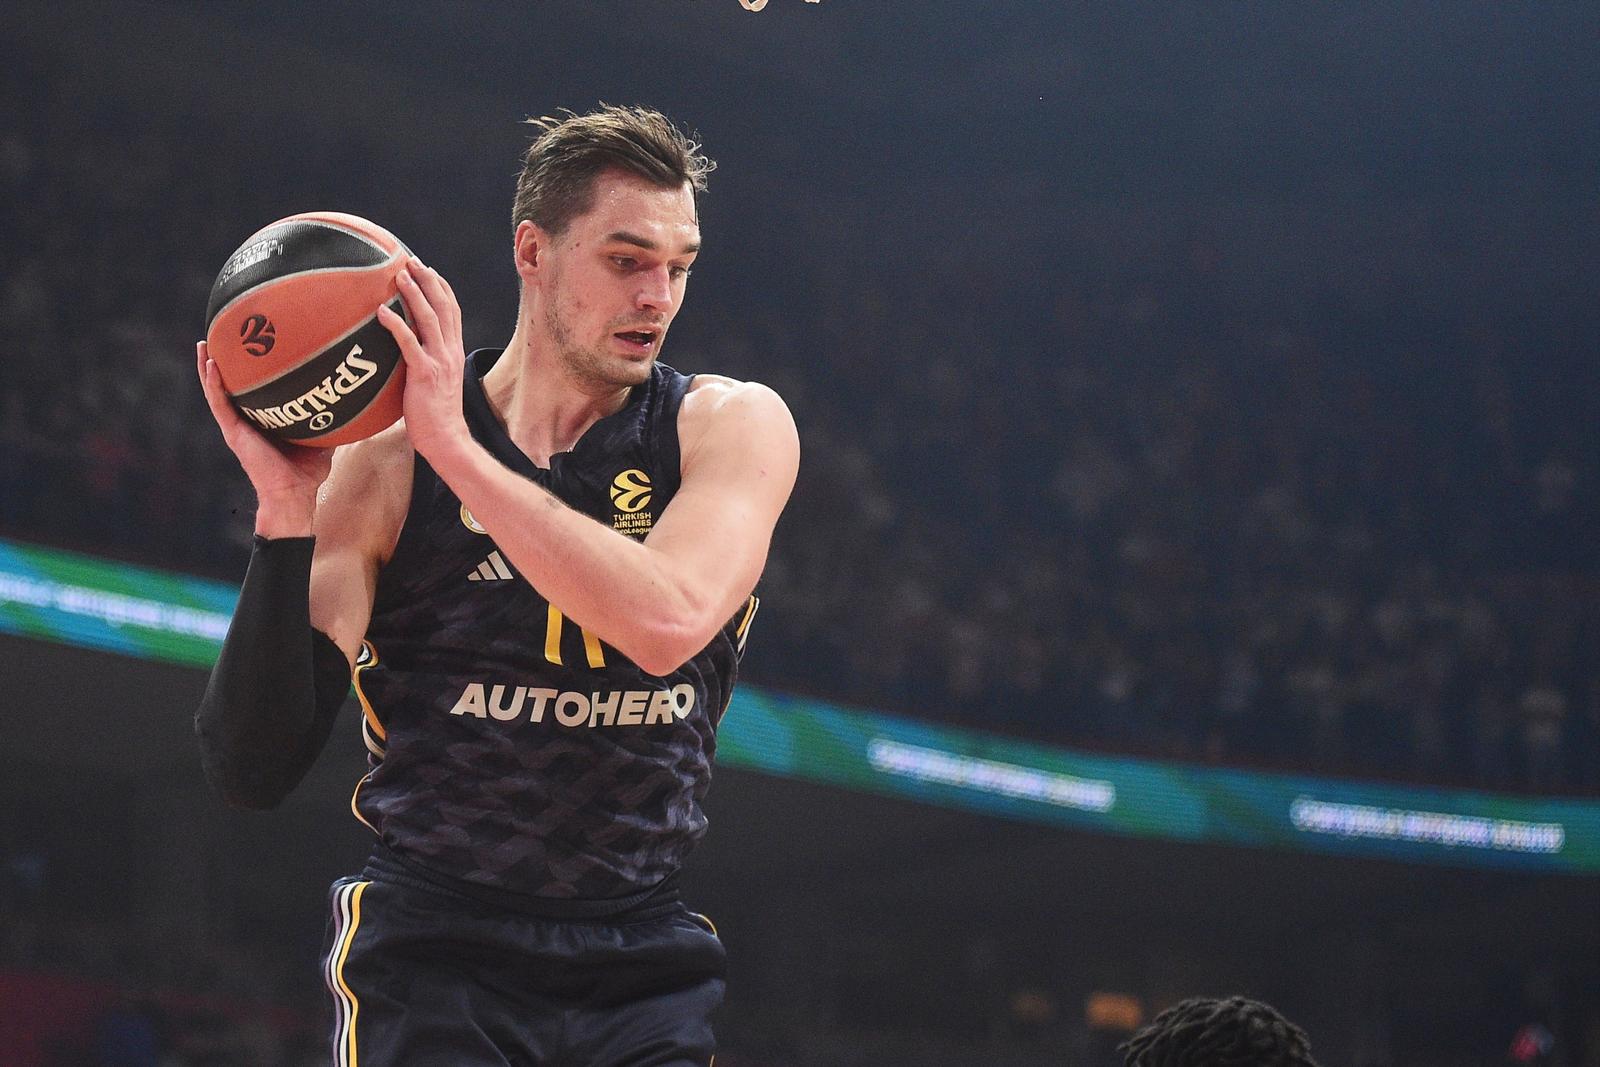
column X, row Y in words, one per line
column 1207, row 1032
column 558, row 170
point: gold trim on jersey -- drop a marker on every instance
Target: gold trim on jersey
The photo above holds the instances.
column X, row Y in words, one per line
column 372, row 731
column 355, row 808
column 741, row 633
column 373, row 735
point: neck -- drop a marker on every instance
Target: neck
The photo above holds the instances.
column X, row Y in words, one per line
column 544, row 407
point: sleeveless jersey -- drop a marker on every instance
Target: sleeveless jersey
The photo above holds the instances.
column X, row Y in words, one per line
column 508, row 746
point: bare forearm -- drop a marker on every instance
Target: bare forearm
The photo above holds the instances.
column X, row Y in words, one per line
column 281, row 515
column 617, row 588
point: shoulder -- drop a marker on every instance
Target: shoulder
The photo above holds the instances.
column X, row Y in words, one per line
column 732, row 432
column 368, row 492
column 716, row 406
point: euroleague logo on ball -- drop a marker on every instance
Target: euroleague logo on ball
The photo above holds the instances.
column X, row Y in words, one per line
column 258, row 335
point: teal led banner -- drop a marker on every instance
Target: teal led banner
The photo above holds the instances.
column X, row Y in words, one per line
column 79, row 600
column 966, row 769
column 92, row 603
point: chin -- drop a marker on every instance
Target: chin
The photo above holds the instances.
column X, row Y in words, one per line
column 610, row 369
column 636, row 373
column 631, row 370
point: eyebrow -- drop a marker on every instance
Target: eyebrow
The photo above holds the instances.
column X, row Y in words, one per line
column 624, row 237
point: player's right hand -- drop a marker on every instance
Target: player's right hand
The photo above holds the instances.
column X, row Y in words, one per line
column 285, row 476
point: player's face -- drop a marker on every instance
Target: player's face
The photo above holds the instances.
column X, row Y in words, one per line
column 618, row 278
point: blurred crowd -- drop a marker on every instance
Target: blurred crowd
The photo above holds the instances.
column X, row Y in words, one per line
column 1232, row 547
column 1122, row 501
column 85, row 992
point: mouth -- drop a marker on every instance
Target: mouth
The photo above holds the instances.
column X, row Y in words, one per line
column 641, row 341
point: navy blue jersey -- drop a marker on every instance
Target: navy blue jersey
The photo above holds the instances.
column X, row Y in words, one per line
column 508, row 746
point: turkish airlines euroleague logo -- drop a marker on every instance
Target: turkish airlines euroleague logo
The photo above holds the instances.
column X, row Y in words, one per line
column 630, row 490
column 258, row 335
column 630, row 495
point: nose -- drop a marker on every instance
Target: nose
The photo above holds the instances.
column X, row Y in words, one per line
column 655, row 290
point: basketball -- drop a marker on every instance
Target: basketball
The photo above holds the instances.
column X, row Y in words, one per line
column 293, row 326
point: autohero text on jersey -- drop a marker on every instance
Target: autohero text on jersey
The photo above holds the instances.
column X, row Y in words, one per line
column 619, row 707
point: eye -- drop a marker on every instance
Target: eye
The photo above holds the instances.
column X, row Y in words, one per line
column 624, row 262
column 681, row 272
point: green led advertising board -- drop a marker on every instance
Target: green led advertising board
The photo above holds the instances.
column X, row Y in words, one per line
column 58, row 596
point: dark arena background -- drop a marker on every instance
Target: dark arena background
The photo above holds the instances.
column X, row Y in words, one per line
column 1191, row 586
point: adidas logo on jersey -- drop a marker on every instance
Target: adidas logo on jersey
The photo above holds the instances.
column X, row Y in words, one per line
column 493, row 569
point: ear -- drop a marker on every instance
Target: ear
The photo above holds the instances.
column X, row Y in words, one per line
column 530, row 248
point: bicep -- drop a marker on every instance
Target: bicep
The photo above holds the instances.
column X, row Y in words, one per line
column 356, row 522
column 736, row 481
column 342, row 591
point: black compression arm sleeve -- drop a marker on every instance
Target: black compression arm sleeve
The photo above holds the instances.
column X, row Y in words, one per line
column 276, row 687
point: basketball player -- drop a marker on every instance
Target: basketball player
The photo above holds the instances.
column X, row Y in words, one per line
column 543, row 580
column 1207, row 1032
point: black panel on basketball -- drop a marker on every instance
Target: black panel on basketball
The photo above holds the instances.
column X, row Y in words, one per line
column 289, row 248
column 328, row 390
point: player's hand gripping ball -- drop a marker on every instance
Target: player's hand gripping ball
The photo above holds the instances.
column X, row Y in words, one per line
column 293, row 326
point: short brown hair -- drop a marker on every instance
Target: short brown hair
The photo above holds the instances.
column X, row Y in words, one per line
column 558, row 170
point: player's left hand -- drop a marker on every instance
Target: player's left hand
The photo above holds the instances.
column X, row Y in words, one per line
column 434, row 355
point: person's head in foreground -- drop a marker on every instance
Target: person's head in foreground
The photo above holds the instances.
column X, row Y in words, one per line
column 1211, row 1032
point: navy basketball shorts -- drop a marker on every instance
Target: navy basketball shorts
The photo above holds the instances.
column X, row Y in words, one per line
column 422, row 976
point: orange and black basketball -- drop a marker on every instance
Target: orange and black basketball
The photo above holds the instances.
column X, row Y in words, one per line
column 293, row 325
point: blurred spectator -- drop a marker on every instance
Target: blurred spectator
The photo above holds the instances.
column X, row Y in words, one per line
column 1543, row 708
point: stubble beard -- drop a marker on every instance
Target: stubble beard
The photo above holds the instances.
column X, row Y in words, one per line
column 591, row 365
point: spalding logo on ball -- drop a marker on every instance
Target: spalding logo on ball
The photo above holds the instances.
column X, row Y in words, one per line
column 293, row 325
